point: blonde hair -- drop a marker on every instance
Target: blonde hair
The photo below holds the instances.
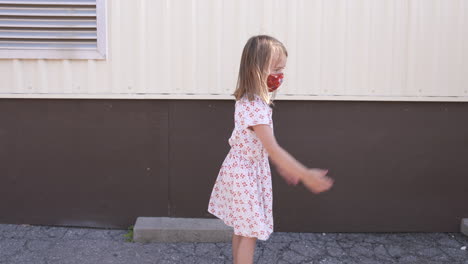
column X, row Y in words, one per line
column 257, row 56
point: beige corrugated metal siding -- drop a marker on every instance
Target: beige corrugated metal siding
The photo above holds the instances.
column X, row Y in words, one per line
column 339, row 50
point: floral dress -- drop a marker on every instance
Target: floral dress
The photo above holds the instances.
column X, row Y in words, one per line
column 242, row 194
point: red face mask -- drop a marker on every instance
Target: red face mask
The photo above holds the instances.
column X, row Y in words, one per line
column 274, row 81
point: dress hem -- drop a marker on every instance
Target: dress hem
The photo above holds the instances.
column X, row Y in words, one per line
column 238, row 233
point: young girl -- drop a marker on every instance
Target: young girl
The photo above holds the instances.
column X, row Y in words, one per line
column 242, row 194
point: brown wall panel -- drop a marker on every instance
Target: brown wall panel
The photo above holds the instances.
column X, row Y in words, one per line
column 398, row 166
column 99, row 163
column 198, row 145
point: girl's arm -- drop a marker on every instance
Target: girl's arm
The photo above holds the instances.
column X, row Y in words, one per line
column 280, row 157
column 288, row 177
column 314, row 179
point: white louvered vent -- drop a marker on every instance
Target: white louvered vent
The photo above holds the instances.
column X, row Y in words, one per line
column 51, row 29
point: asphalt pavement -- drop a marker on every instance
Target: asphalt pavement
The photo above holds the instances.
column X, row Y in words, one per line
column 28, row 244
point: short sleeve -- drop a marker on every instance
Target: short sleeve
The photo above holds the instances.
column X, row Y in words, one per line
column 251, row 113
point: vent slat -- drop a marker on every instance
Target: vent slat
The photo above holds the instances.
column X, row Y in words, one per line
column 45, row 23
column 47, row 45
column 48, row 12
column 44, row 34
column 49, row 2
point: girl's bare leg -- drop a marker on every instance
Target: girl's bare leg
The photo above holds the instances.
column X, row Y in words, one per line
column 235, row 245
column 246, row 250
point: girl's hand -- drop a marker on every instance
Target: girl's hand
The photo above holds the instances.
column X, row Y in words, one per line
column 317, row 181
column 289, row 178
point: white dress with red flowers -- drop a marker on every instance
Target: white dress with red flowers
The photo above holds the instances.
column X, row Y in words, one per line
column 242, row 194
